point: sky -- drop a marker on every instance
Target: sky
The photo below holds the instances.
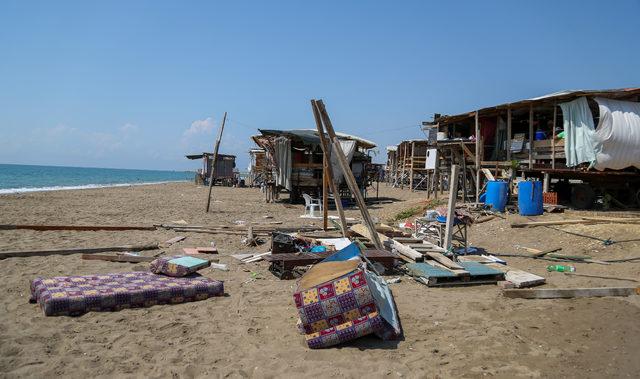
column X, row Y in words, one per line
column 139, row 84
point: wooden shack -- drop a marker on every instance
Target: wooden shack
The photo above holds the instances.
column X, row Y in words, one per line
column 258, row 173
column 225, row 173
column 521, row 138
column 294, row 162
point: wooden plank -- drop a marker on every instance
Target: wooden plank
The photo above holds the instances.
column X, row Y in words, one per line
column 453, row 196
column 508, row 144
column 488, row 174
column 256, row 257
column 400, row 248
column 87, row 250
column 117, row 258
column 477, row 130
column 326, row 152
column 348, row 174
column 215, row 158
column 74, row 227
column 173, row 240
column 618, row 220
column 438, row 257
column 602, row 277
column 568, row 293
column 547, row 223
column 531, row 136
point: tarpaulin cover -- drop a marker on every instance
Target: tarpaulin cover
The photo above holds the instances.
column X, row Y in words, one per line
column 349, row 148
column 283, row 161
column 579, row 132
column 617, row 138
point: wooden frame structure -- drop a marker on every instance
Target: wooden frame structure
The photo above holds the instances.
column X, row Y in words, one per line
column 505, row 136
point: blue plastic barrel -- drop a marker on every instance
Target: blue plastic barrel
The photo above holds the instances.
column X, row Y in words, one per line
column 530, row 198
column 497, row 193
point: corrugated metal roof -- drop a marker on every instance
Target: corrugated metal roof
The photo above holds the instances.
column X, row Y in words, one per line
column 556, row 96
column 311, row 136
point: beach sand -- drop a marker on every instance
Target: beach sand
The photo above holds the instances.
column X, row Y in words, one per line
column 251, row 332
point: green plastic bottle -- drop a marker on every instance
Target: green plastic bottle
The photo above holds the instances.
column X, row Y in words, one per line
column 561, row 268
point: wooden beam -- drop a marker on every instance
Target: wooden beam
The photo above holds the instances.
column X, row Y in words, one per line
column 74, row 227
column 478, row 140
column 86, row 250
column 568, row 293
column 509, row 133
column 413, row 149
column 453, row 195
column 326, row 151
column 589, row 220
column 531, row 136
column 602, row 277
column 215, row 158
column 325, row 193
column 348, row 174
column 553, row 137
column 117, row 258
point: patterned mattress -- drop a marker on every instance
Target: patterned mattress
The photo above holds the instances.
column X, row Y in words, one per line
column 75, row 295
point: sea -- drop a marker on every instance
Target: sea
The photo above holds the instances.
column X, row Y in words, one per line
column 15, row 178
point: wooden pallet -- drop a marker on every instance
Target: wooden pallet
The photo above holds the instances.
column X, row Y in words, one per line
column 434, row 276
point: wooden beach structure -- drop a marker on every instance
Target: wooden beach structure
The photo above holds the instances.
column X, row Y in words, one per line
column 258, row 172
column 225, row 173
column 521, row 138
column 293, row 162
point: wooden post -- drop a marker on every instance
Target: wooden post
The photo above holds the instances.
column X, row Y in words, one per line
column 215, row 158
column 453, row 195
column 348, row 175
column 477, row 125
column 545, row 182
column 553, row 136
column 509, row 133
column 404, row 164
column 325, row 193
column 413, row 150
column 531, row 135
column 329, row 170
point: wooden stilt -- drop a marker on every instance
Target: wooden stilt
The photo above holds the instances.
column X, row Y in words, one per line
column 215, row 158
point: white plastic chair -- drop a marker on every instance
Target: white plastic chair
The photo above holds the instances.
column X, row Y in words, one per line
column 310, row 205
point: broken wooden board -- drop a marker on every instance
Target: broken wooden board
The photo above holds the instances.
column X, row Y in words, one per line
column 117, row 258
column 75, row 227
column 69, row 251
column 436, row 275
column 568, row 293
column 401, row 249
column 207, row 250
column 519, row 278
column 173, row 240
column 550, row 223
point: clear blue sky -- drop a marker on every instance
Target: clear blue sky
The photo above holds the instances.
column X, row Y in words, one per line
column 138, row 84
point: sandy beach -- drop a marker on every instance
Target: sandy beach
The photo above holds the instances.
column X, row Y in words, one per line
column 251, row 332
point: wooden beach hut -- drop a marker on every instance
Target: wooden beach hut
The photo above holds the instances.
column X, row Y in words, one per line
column 294, row 162
column 524, row 138
column 225, row 173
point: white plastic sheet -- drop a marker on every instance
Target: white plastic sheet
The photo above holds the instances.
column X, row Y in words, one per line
column 617, row 138
column 579, row 132
column 283, row 162
column 349, row 148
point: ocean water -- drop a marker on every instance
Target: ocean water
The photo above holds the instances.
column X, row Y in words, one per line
column 28, row 178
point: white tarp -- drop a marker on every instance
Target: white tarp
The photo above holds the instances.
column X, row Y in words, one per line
column 349, row 147
column 579, row 132
column 617, row 138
